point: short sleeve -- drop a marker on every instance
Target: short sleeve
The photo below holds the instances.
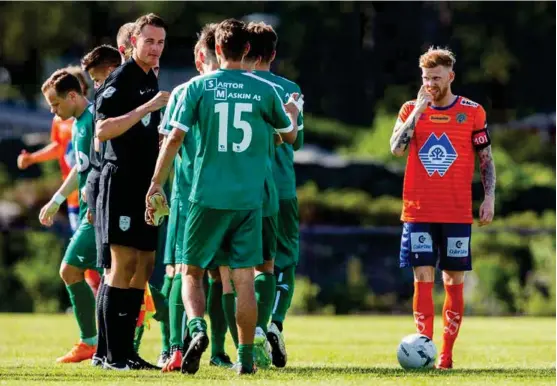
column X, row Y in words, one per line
column 106, row 100
column 480, row 134
column 54, row 129
column 184, row 116
column 277, row 115
column 165, row 127
column 405, row 111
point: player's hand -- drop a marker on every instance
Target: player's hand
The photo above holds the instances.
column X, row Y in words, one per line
column 424, row 99
column 90, row 218
column 278, row 139
column 149, row 210
column 487, row 210
column 46, row 216
column 159, row 101
column 295, row 104
column 24, row 160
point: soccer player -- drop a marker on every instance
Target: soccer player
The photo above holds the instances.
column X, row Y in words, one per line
column 205, row 61
column 281, row 227
column 99, row 64
column 127, row 122
column 442, row 132
column 61, row 148
column 231, row 116
column 64, row 95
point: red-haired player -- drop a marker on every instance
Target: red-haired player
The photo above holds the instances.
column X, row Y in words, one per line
column 443, row 132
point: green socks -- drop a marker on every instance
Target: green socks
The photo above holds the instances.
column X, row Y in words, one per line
column 216, row 316
column 265, row 286
column 245, row 355
column 83, row 303
column 160, row 298
column 176, row 312
column 229, row 307
column 197, row 325
column 285, row 290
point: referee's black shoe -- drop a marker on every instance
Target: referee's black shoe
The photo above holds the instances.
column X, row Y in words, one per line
column 138, row 363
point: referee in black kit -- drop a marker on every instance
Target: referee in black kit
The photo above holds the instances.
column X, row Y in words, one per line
column 127, row 118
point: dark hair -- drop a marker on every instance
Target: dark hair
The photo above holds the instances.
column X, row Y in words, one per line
column 149, row 19
column 232, row 36
column 263, row 41
column 63, row 82
column 206, row 41
column 101, row 56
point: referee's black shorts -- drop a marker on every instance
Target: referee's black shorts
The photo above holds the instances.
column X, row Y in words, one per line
column 121, row 210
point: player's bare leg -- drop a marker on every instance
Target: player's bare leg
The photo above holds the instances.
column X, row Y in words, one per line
column 83, row 303
column 265, row 288
column 453, row 310
column 246, row 315
column 193, row 296
column 218, row 320
column 423, row 300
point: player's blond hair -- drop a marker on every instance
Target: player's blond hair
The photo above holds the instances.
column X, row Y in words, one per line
column 206, row 41
column 437, row 56
column 123, row 39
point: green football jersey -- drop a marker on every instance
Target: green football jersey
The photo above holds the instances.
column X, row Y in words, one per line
column 82, row 136
column 232, row 114
column 283, row 166
column 183, row 163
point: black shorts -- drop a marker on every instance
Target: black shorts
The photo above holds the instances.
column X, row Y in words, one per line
column 121, row 210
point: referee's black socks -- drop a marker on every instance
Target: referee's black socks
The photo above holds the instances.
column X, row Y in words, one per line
column 117, row 316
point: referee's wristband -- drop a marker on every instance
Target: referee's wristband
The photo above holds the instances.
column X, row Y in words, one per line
column 58, row 198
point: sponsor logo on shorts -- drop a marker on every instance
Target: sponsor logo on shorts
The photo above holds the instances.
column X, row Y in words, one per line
column 124, row 223
column 421, row 242
column 457, row 246
column 81, row 258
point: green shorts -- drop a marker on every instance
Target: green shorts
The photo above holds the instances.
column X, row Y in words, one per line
column 175, row 235
column 270, row 234
column 82, row 250
column 236, row 231
column 288, row 240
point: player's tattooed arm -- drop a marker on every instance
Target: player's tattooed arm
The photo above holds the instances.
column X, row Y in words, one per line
column 402, row 134
column 487, row 171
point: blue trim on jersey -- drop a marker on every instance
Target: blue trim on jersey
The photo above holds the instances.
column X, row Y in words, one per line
column 446, row 107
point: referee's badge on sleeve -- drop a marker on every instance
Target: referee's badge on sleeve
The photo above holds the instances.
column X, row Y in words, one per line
column 109, row 92
column 125, row 223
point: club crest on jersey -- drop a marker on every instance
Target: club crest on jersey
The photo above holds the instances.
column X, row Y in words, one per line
column 439, row 118
column 125, row 223
column 461, row 117
column 437, row 154
column 146, row 120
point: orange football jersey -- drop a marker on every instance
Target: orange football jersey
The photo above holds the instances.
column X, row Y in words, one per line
column 61, row 132
column 440, row 165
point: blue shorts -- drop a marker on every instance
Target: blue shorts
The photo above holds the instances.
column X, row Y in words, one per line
column 446, row 246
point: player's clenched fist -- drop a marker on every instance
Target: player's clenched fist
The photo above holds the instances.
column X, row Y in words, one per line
column 423, row 100
column 159, row 101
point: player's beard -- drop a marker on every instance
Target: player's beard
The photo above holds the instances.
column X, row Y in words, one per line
column 441, row 94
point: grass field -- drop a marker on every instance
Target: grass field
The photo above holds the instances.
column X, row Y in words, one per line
column 322, row 350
